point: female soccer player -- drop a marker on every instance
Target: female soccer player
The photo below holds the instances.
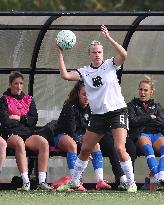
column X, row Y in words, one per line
column 107, row 104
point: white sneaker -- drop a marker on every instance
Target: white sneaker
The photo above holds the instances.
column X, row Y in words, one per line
column 25, row 187
column 44, row 186
column 122, row 186
column 159, row 186
column 131, row 187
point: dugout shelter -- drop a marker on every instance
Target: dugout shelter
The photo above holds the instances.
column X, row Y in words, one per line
column 27, row 44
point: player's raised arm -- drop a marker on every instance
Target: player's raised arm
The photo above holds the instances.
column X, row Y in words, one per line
column 66, row 75
column 121, row 53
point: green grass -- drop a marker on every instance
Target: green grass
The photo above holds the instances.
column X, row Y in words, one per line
column 81, row 198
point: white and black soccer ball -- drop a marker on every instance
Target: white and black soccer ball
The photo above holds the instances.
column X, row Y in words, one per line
column 66, row 39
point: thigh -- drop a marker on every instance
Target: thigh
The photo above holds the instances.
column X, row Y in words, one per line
column 35, row 141
column 90, row 140
column 98, row 124
column 119, row 119
column 13, row 141
column 119, row 136
column 143, row 139
column 3, row 143
column 66, row 143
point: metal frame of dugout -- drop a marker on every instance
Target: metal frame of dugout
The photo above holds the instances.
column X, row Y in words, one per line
column 130, row 29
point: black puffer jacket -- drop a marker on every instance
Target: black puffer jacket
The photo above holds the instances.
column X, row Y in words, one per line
column 73, row 120
column 140, row 120
column 26, row 125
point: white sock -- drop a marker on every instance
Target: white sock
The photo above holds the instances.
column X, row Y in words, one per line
column 123, row 179
column 42, row 177
column 25, row 177
column 160, row 175
column 127, row 168
column 99, row 174
column 71, row 172
column 80, row 166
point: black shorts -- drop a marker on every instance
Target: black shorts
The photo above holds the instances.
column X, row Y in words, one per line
column 101, row 123
column 24, row 137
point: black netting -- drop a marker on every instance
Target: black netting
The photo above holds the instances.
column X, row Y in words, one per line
column 27, row 44
column 16, row 48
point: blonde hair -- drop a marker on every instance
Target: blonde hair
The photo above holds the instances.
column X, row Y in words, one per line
column 147, row 79
column 94, row 43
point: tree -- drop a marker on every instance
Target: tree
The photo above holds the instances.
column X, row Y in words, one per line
column 85, row 5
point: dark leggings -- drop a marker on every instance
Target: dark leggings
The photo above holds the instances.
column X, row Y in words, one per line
column 108, row 150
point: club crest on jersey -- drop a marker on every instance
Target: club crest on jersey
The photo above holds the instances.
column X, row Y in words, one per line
column 86, row 116
column 97, row 82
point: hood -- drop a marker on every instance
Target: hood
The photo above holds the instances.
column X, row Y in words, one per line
column 139, row 102
column 8, row 93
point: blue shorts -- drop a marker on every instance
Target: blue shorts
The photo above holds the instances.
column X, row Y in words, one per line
column 152, row 137
column 57, row 137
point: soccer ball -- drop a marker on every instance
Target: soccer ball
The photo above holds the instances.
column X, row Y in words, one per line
column 66, row 39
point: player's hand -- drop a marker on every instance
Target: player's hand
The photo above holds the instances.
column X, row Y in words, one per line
column 14, row 117
column 153, row 116
column 58, row 48
column 105, row 31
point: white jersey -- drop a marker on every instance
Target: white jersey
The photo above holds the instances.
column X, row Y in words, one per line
column 102, row 87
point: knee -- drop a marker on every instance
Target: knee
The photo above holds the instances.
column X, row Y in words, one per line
column 44, row 145
column 3, row 144
column 72, row 147
column 85, row 151
column 20, row 146
column 96, row 148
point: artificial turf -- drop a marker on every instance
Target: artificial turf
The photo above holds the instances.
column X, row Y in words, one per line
column 88, row 197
